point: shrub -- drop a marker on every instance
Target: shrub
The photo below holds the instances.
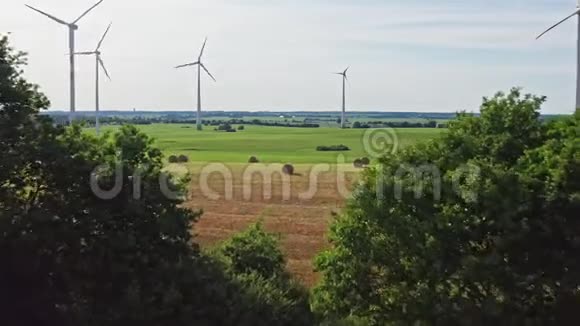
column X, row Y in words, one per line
column 357, row 163
column 333, row 148
column 288, row 169
column 241, row 128
column 253, row 159
column 253, row 251
column 173, row 159
column 253, row 258
column 365, row 161
column 226, row 127
column 182, row 159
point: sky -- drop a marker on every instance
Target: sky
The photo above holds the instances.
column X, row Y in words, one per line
column 405, row 55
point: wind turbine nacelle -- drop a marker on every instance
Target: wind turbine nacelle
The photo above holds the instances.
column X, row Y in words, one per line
column 74, row 27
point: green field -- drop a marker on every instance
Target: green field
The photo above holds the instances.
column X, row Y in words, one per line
column 269, row 144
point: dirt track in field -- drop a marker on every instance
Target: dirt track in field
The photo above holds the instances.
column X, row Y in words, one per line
column 301, row 221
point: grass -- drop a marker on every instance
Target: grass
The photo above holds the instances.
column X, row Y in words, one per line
column 269, row 144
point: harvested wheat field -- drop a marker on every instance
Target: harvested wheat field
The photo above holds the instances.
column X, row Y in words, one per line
column 299, row 207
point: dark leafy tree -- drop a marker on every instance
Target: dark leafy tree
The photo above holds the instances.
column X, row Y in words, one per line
column 121, row 255
column 255, row 260
column 498, row 245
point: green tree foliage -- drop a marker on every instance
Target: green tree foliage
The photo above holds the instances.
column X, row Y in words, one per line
column 254, row 251
column 500, row 245
column 72, row 255
column 255, row 260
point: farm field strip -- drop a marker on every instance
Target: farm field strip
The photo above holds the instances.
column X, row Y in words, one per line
column 301, row 222
column 269, row 144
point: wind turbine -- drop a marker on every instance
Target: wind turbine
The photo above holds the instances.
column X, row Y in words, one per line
column 344, row 79
column 199, row 65
column 99, row 62
column 576, row 13
column 72, row 27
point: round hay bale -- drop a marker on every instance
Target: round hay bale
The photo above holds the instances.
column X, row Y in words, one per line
column 288, row 169
column 183, row 159
column 173, row 159
column 365, row 161
column 253, row 159
column 357, row 163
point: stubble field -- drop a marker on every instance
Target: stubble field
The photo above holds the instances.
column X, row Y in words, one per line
column 232, row 193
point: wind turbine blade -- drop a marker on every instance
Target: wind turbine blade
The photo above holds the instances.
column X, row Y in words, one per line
column 88, row 10
column 84, row 53
column 187, row 65
column 207, row 71
column 346, row 70
column 202, row 48
column 560, row 22
column 48, row 15
column 104, row 69
column 103, row 38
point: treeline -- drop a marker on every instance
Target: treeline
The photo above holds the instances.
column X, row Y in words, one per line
column 205, row 122
column 258, row 122
column 397, row 124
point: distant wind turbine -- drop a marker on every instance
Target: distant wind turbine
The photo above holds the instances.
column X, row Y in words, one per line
column 344, row 79
column 576, row 13
column 199, row 65
column 99, row 62
column 72, row 27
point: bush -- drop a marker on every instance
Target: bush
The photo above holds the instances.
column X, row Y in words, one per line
column 253, row 159
column 333, row 148
column 241, row 128
column 226, row 127
column 365, row 161
column 173, row 159
column 288, row 169
column 182, row 159
column 254, row 259
column 357, row 163
column 253, row 251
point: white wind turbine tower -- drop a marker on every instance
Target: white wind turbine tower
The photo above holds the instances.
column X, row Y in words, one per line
column 576, row 13
column 199, row 65
column 98, row 62
column 72, row 27
column 344, row 79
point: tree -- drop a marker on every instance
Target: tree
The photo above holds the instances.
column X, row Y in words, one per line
column 254, row 251
column 498, row 245
column 26, row 295
column 255, row 260
column 92, row 232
